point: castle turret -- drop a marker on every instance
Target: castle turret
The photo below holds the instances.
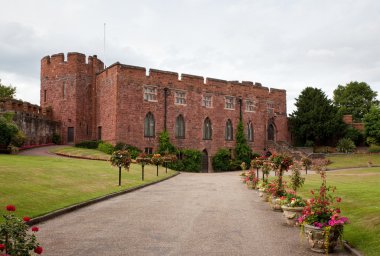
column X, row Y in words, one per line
column 68, row 87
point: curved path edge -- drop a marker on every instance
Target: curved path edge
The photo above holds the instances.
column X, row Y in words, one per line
column 74, row 207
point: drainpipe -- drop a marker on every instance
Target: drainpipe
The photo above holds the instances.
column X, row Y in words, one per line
column 165, row 106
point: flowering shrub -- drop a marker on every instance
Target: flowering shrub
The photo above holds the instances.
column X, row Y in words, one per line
column 14, row 237
column 251, row 179
column 156, row 159
column 121, row 158
column 321, row 210
column 296, row 180
column 276, row 189
column 143, row 159
column 292, row 200
column 281, row 161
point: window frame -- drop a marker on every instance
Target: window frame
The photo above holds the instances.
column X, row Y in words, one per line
column 180, row 131
column 207, row 129
column 151, row 95
column 178, row 96
column 250, row 132
column 226, row 103
column 249, row 103
column 149, row 129
column 229, row 131
column 204, row 104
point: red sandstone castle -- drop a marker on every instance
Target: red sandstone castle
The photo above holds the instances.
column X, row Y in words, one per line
column 121, row 103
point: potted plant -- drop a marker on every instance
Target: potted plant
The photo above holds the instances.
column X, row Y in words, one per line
column 157, row 160
column 276, row 194
column 14, row 236
column 321, row 221
column 306, row 162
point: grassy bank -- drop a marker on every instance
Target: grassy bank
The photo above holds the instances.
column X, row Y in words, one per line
column 352, row 160
column 360, row 192
column 81, row 152
column 38, row 185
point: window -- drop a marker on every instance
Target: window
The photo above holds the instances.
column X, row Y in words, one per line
column 207, row 101
column 150, row 93
column 44, row 95
column 229, row 131
column 249, row 105
column 149, row 125
column 148, row 151
column 270, row 106
column 250, row 131
column 99, row 133
column 64, row 90
column 180, row 127
column 230, row 103
column 180, row 98
column 207, row 129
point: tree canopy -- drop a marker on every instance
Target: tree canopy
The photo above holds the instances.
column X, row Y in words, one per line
column 7, row 92
column 372, row 124
column 355, row 98
column 316, row 119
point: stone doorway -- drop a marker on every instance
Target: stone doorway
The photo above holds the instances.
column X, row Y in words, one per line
column 204, row 161
column 271, row 132
column 70, row 135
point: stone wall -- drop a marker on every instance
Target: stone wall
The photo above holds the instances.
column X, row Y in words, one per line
column 35, row 122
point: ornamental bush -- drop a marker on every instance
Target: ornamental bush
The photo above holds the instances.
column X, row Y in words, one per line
column 221, row 160
column 106, row 147
column 91, row 144
column 191, row 161
column 346, row 145
column 374, row 148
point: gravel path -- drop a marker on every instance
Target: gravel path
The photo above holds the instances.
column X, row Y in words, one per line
column 41, row 151
column 191, row 214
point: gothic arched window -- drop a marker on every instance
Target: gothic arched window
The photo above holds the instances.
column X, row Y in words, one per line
column 229, row 130
column 180, row 127
column 149, row 125
column 207, row 129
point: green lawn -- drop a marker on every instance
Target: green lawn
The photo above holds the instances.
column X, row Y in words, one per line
column 360, row 192
column 82, row 152
column 38, row 185
column 352, row 160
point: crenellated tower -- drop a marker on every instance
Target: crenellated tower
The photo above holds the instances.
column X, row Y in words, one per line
column 68, row 87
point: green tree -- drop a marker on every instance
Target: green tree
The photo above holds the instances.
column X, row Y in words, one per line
column 355, row 98
column 8, row 129
column 7, row 92
column 165, row 145
column 315, row 119
column 243, row 151
column 372, row 124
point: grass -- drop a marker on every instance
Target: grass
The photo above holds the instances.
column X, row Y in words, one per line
column 360, row 192
column 82, row 152
column 38, row 185
column 352, row 160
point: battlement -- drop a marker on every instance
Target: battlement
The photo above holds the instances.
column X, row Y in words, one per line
column 13, row 105
column 72, row 58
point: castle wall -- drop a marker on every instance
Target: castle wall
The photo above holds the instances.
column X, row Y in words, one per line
column 32, row 120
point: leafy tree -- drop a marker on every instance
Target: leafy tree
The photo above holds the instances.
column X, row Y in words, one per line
column 165, row 146
column 8, row 130
column 346, row 145
column 243, row 151
column 7, row 92
column 372, row 124
column 355, row 98
column 316, row 118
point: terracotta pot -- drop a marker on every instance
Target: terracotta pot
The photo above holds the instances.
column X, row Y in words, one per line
column 317, row 240
column 291, row 215
column 275, row 204
column 264, row 196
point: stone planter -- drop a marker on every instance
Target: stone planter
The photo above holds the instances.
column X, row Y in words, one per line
column 291, row 215
column 317, row 240
column 264, row 196
column 275, row 204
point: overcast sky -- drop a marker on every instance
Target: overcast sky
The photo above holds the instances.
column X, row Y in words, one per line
column 282, row 44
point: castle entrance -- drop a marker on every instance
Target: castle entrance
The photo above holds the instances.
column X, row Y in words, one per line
column 271, row 132
column 204, row 161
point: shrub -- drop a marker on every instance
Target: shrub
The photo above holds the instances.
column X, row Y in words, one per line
column 164, row 144
column 346, row 145
column 18, row 139
column 354, row 135
column 234, row 165
column 243, row 151
column 56, row 139
column 309, row 143
column 91, row 144
column 134, row 151
column 8, row 130
column 106, row 147
column 191, row 161
column 373, row 148
column 221, row 160
column 371, row 140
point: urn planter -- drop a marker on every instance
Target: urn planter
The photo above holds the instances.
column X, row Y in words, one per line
column 264, row 196
column 275, row 204
column 291, row 215
column 322, row 240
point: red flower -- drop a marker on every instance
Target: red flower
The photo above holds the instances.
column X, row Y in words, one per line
column 337, row 210
column 26, row 218
column 38, row 250
column 338, row 199
column 35, row 229
column 10, row 208
column 2, row 247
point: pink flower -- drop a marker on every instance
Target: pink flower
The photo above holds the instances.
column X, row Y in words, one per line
column 26, row 218
column 35, row 229
column 10, row 208
column 38, row 250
